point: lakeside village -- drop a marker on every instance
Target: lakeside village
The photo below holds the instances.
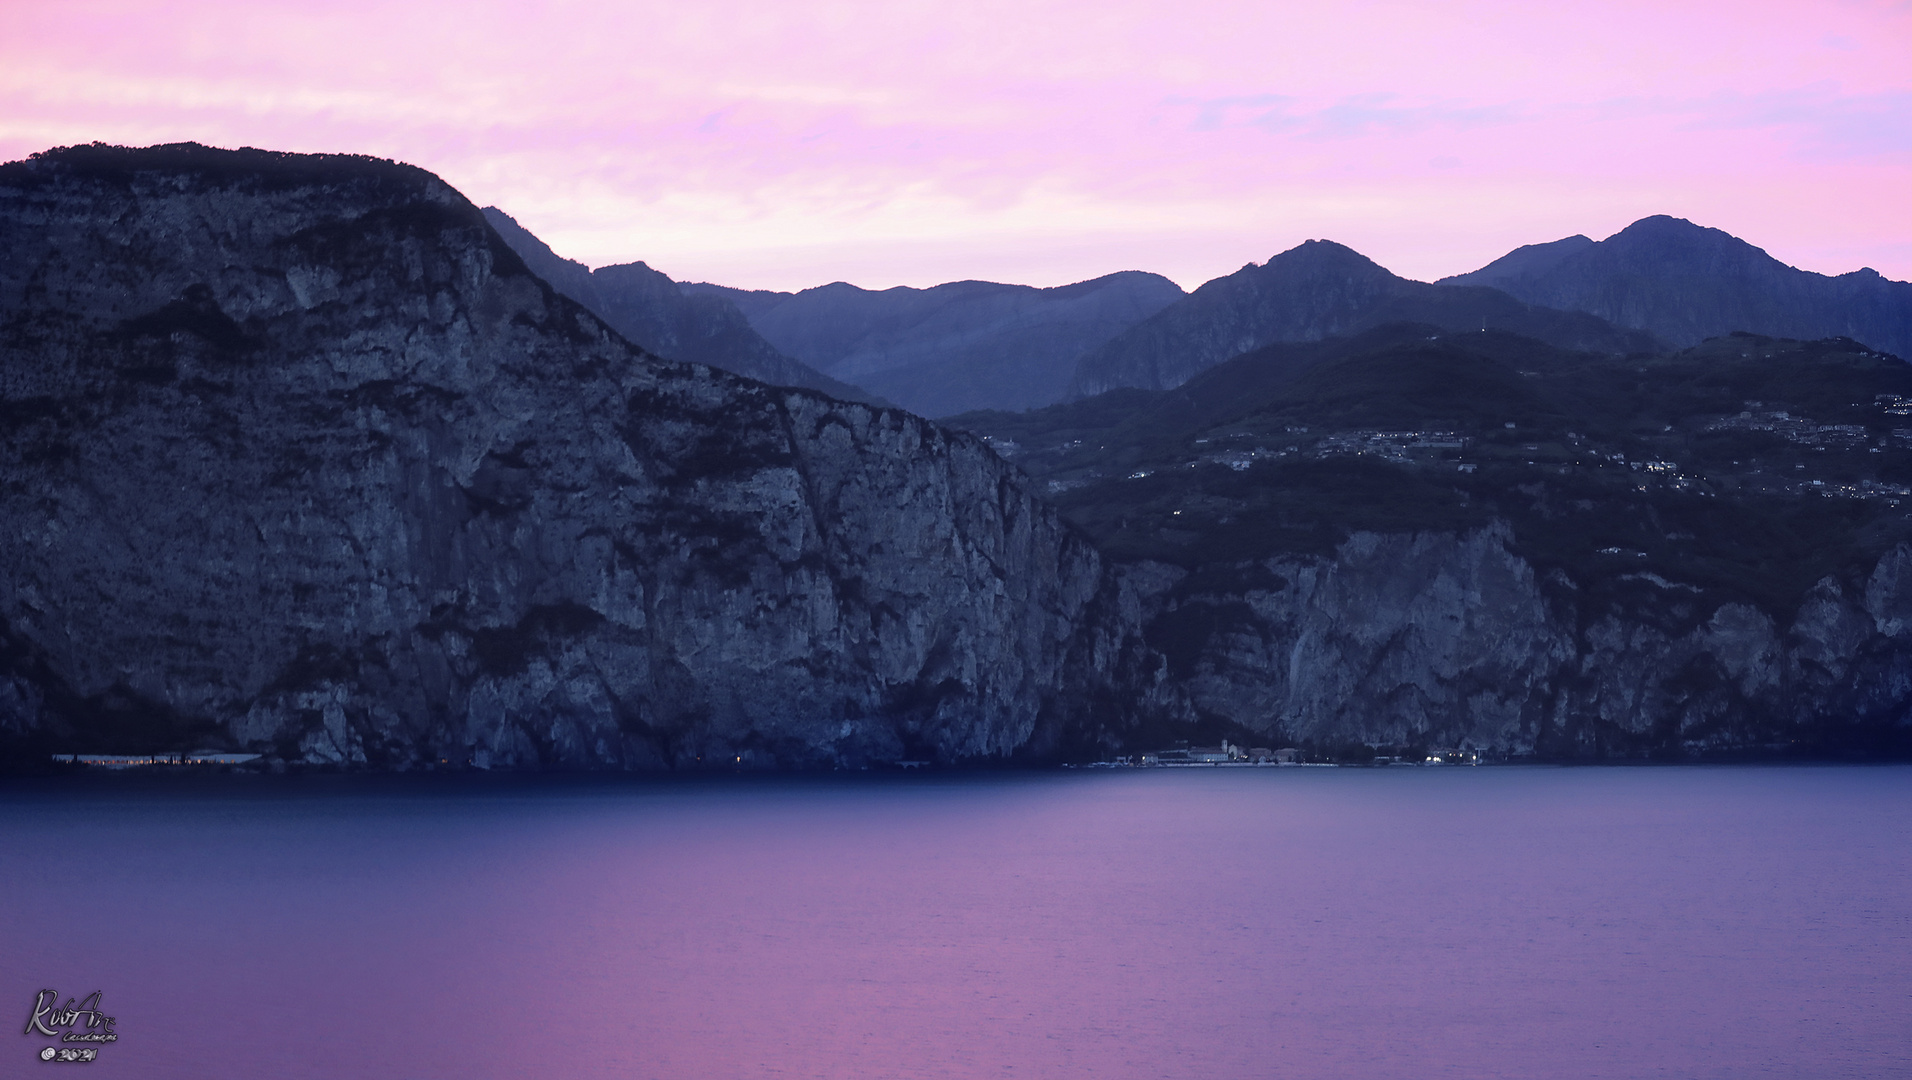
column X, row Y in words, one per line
column 1466, row 453
column 1229, row 755
column 137, row 761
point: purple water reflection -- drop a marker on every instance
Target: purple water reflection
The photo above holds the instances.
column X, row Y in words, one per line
column 1271, row 923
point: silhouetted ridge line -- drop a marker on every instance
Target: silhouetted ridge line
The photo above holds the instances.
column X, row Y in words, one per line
column 1685, row 283
column 1317, row 290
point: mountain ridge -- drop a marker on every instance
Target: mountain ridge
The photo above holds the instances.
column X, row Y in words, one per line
column 1316, row 290
column 1685, row 282
column 654, row 312
column 1526, row 261
column 956, row 346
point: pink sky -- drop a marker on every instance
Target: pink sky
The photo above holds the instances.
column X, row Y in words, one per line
column 788, row 144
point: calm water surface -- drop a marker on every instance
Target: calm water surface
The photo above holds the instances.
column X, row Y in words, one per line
column 1408, row 923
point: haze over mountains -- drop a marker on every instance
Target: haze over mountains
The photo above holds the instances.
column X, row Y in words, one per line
column 955, row 347
column 976, row 345
column 948, row 349
column 650, row 309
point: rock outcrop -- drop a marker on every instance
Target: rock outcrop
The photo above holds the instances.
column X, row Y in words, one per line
column 1443, row 639
column 298, row 457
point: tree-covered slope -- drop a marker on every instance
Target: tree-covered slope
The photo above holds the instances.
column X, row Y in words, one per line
column 1418, row 535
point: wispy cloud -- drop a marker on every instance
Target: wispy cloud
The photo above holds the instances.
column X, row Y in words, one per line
column 1427, row 133
column 1350, row 117
column 1817, row 120
column 1822, row 121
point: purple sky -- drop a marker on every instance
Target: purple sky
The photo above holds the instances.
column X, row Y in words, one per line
column 787, row 144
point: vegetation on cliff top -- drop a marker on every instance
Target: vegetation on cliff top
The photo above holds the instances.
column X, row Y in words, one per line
column 1746, row 467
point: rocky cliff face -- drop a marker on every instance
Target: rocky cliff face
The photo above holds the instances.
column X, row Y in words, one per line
column 1685, row 283
column 653, row 312
column 1315, row 291
column 1441, row 639
column 298, row 457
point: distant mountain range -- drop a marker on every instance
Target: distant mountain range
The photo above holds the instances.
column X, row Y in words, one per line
column 1685, row 283
column 976, row 345
column 955, row 347
column 1318, row 290
column 652, row 311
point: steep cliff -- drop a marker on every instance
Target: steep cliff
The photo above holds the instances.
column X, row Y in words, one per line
column 1685, row 283
column 298, row 457
column 1455, row 639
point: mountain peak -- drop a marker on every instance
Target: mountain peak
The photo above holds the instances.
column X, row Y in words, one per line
column 1685, row 283
column 1309, row 260
column 1663, row 234
column 1668, row 225
column 1663, row 221
column 1312, row 291
column 1321, row 253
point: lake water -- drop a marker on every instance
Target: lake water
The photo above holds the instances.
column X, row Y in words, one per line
column 1403, row 923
